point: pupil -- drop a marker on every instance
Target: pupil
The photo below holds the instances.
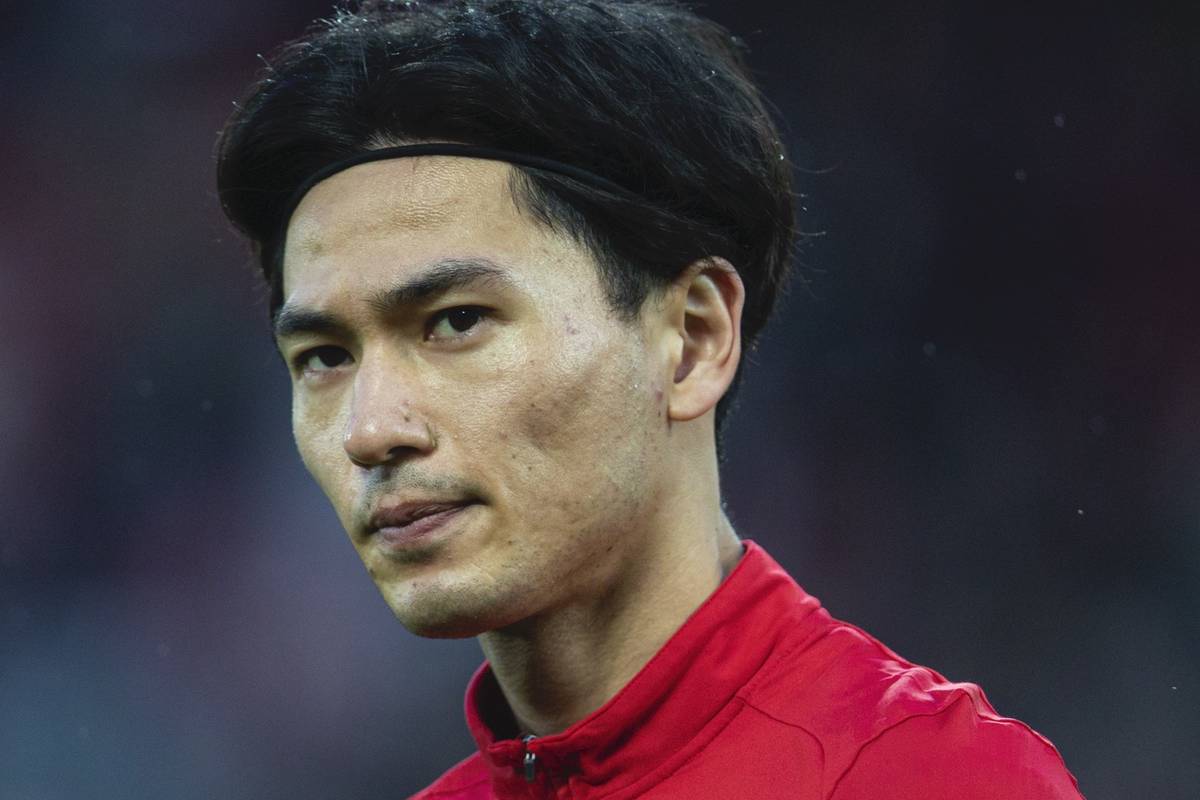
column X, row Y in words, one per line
column 461, row 319
column 329, row 357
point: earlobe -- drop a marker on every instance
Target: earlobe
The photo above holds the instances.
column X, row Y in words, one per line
column 707, row 319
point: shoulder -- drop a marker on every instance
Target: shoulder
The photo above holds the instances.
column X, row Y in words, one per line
column 845, row 687
column 958, row 752
column 881, row 720
column 466, row 780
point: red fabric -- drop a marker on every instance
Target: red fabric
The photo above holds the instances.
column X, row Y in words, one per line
column 762, row 694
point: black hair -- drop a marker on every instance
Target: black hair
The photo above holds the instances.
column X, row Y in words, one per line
column 643, row 93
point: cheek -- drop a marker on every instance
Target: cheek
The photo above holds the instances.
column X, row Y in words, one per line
column 318, row 434
column 574, row 413
column 582, row 421
column 590, row 381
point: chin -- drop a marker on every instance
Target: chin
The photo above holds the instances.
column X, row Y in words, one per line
column 444, row 615
column 442, row 628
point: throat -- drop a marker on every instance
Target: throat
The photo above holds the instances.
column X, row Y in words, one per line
column 556, row 668
column 554, row 672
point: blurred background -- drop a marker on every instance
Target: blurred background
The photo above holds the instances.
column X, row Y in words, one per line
column 973, row 431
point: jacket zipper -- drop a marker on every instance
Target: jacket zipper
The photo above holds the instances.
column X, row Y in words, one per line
column 530, row 760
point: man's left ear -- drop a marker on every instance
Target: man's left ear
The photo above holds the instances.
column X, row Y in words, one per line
column 705, row 318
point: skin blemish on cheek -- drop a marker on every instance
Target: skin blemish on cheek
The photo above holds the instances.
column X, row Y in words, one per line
column 569, row 325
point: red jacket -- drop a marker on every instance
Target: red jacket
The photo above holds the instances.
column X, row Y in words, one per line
column 762, row 694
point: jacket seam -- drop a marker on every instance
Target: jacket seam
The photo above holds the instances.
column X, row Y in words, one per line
column 962, row 694
column 776, row 660
column 795, row 726
column 857, row 753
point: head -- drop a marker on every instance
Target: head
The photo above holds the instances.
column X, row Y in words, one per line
column 504, row 376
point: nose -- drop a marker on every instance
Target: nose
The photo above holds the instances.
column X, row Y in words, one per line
column 384, row 426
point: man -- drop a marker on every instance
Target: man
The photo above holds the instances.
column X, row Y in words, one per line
column 516, row 249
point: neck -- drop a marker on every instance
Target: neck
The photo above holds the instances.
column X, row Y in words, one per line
column 559, row 666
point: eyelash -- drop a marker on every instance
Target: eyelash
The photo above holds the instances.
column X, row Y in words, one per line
column 478, row 312
column 300, row 363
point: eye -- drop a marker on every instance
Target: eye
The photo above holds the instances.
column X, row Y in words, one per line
column 455, row 323
column 322, row 359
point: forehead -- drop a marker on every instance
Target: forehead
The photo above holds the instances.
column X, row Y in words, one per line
column 368, row 228
column 381, row 199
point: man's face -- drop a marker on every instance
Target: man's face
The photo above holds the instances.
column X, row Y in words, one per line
column 489, row 432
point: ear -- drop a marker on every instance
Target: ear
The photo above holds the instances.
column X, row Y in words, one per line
column 705, row 317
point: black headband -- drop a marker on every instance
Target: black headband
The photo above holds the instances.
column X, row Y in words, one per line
column 447, row 149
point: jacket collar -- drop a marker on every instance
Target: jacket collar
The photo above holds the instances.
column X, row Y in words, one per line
column 669, row 709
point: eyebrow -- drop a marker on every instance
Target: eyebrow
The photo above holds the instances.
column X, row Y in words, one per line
column 439, row 278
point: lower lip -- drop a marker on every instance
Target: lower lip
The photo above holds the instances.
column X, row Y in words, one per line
column 419, row 532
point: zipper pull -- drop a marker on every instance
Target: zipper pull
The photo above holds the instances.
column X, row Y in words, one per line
column 530, row 760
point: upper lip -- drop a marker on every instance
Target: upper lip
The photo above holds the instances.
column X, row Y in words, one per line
column 398, row 514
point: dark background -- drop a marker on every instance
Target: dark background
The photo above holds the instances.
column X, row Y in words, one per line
column 973, row 431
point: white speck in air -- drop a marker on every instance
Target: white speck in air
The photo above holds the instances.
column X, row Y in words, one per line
column 1021, row 175
column 1079, row 511
column 1060, row 120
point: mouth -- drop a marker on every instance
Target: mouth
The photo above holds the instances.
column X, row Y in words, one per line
column 404, row 526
